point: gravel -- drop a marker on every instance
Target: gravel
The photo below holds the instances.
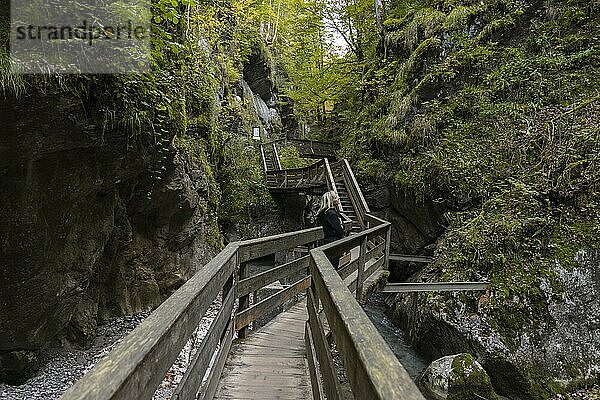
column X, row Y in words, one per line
column 61, row 368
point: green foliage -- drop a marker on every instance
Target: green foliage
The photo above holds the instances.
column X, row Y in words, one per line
column 195, row 149
column 290, row 158
column 244, row 192
column 491, row 109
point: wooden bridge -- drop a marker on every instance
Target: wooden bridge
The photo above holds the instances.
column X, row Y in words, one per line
column 302, row 352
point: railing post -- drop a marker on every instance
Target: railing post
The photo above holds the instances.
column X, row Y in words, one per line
column 264, row 159
column 312, row 269
column 244, row 300
column 361, row 268
column 388, row 240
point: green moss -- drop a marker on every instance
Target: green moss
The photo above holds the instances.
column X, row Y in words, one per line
column 460, row 16
column 212, row 236
column 394, row 24
column 195, row 149
column 468, row 380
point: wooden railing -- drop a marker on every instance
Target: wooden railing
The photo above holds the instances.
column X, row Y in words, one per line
column 276, row 161
column 297, row 177
column 355, row 194
column 308, row 148
column 372, row 369
column 332, row 187
column 135, row 368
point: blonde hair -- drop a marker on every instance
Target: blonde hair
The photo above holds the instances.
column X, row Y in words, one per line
column 327, row 201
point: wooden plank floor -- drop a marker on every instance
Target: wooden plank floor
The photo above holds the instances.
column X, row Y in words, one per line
column 270, row 363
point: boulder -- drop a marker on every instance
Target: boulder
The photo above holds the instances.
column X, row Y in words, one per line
column 457, row 377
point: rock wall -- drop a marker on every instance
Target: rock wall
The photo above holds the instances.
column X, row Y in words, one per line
column 92, row 225
column 259, row 85
column 415, row 227
column 565, row 350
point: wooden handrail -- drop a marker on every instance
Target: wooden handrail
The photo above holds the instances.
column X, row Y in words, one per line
column 318, row 164
column 352, row 182
column 257, row 248
column 338, row 247
column 297, row 178
column 135, row 367
column 373, row 370
column 264, row 160
column 329, row 177
column 276, row 161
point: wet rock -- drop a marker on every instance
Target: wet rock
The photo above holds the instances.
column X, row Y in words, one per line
column 259, row 74
column 83, row 324
column 414, row 226
column 457, row 377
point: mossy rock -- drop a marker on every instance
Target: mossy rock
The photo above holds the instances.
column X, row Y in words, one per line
column 469, row 379
column 457, row 377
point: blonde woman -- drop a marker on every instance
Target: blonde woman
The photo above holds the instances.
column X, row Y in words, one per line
column 331, row 220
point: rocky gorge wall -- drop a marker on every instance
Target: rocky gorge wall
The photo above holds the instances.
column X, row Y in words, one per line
column 92, row 225
column 554, row 356
column 488, row 111
column 99, row 221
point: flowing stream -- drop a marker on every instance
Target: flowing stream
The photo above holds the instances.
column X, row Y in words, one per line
column 395, row 337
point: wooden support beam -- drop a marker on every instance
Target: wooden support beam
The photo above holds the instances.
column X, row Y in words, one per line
column 410, row 258
column 327, row 367
column 313, row 366
column 210, row 387
column 192, row 379
column 244, row 301
column 388, row 242
column 360, row 271
column 434, row 287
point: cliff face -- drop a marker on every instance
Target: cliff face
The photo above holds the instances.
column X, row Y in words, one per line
column 115, row 190
column 489, row 111
column 525, row 359
column 93, row 224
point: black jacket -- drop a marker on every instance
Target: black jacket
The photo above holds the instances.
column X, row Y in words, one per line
column 332, row 225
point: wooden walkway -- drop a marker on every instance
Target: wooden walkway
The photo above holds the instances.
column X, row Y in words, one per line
column 270, row 363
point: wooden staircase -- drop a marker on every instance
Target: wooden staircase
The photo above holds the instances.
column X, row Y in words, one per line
column 316, row 178
column 348, row 208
